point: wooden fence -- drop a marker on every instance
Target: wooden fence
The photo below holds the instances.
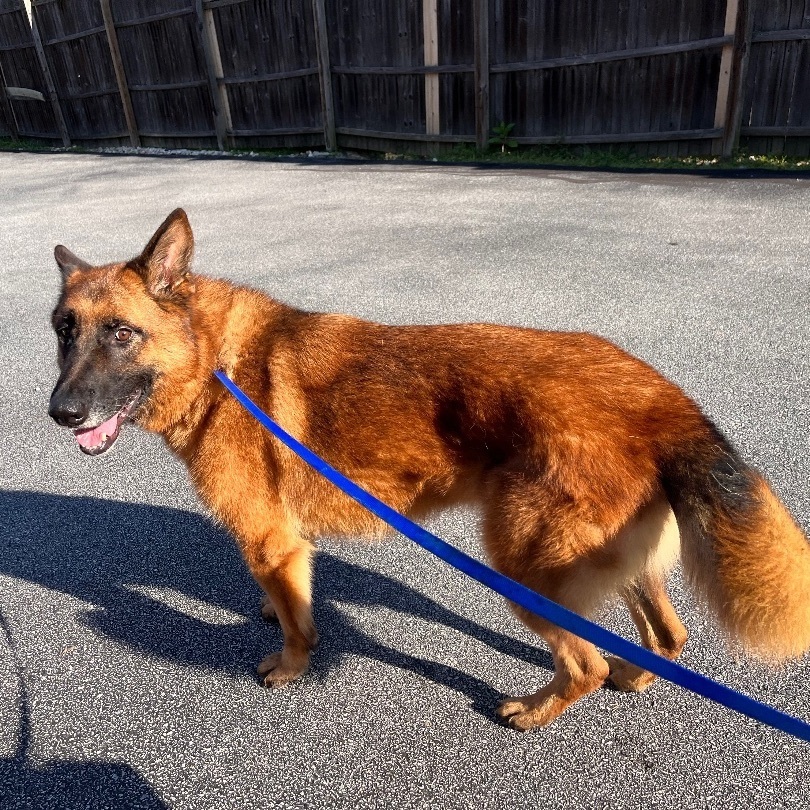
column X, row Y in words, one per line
column 693, row 76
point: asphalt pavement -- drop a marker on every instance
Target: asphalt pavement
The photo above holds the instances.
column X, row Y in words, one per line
column 129, row 626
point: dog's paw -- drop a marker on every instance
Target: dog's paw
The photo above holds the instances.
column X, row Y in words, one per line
column 628, row 677
column 279, row 668
column 527, row 713
column 268, row 611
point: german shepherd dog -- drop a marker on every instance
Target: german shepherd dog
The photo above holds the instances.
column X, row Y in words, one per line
column 587, row 465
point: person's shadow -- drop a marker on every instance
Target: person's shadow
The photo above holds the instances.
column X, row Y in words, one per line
column 65, row 784
column 110, row 554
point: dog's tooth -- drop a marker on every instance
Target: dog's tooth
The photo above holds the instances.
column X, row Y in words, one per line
column 103, row 438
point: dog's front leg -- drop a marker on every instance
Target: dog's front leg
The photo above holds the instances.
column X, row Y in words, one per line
column 278, row 558
column 280, row 562
column 286, row 579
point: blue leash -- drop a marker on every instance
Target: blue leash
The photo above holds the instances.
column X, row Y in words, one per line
column 527, row 598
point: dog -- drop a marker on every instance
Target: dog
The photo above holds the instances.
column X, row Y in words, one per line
column 590, row 469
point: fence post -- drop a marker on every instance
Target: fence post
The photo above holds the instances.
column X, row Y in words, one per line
column 430, row 26
column 8, row 108
column 481, row 27
column 325, row 75
column 733, row 74
column 120, row 75
column 213, row 64
column 46, row 72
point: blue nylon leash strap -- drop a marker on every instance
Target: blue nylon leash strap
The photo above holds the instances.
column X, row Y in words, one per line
column 527, row 598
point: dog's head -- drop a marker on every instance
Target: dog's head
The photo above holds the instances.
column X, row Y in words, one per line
column 122, row 329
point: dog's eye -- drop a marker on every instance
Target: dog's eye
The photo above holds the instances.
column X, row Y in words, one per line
column 123, row 334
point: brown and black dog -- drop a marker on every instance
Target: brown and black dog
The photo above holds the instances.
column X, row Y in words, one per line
column 585, row 462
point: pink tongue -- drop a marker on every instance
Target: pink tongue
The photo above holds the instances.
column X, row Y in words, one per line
column 92, row 437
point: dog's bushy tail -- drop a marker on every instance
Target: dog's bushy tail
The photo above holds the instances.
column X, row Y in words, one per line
column 742, row 552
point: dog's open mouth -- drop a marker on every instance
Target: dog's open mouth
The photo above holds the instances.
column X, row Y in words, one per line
column 97, row 440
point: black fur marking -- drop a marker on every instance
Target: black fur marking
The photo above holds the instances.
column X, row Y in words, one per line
column 705, row 477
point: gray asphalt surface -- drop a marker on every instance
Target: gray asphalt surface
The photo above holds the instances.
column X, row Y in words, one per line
column 130, row 624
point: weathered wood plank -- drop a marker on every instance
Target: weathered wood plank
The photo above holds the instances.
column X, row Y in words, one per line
column 324, row 75
column 24, row 94
column 120, row 74
column 733, row 74
column 776, row 132
column 388, row 70
column 213, row 63
column 403, row 136
column 212, row 4
column 271, row 77
column 7, row 108
column 248, row 133
column 624, row 137
column 149, row 88
column 782, row 36
column 482, row 70
column 165, row 15
column 430, row 26
column 200, row 133
column 615, row 56
column 46, row 72
column 70, row 37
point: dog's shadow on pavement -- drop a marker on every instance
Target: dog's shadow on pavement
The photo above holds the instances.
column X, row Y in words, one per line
column 122, row 558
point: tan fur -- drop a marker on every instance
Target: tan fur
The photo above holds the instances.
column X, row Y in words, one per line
column 574, row 450
column 761, row 584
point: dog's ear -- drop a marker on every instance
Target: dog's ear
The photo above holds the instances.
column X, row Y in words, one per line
column 67, row 262
column 165, row 263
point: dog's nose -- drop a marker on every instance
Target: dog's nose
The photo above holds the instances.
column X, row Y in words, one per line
column 68, row 412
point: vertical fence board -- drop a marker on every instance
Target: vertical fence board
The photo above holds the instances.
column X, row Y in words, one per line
column 430, row 36
column 733, row 63
column 325, row 74
column 210, row 50
column 120, row 74
column 46, row 74
column 481, row 16
column 8, row 121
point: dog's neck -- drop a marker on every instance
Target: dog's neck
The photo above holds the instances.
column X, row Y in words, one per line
column 226, row 324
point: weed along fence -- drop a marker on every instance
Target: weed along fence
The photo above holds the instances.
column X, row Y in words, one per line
column 692, row 77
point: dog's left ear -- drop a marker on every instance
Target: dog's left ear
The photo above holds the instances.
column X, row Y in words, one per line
column 165, row 263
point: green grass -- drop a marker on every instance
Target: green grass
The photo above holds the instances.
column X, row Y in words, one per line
column 607, row 157
column 620, row 158
column 25, row 145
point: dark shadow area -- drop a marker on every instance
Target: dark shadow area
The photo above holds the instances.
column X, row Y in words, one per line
column 62, row 784
column 104, row 551
column 70, row 785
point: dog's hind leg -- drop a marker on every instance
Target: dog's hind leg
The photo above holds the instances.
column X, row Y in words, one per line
column 547, row 544
column 659, row 626
column 268, row 611
column 578, row 670
column 654, row 533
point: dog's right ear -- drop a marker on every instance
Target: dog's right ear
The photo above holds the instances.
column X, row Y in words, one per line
column 68, row 263
column 165, row 263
